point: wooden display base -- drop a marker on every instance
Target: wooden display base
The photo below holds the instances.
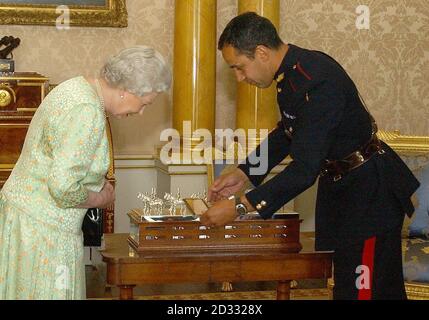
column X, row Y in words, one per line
column 173, row 236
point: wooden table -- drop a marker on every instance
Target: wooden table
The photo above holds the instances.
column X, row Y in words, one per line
column 127, row 268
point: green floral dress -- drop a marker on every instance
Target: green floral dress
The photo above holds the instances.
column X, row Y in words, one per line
column 65, row 154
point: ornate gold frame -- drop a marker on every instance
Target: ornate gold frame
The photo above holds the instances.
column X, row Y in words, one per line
column 407, row 145
column 113, row 14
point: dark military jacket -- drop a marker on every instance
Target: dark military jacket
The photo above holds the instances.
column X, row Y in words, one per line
column 323, row 118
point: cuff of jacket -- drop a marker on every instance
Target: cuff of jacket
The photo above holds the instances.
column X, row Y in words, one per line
column 261, row 205
column 70, row 199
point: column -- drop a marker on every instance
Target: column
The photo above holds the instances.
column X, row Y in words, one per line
column 194, row 89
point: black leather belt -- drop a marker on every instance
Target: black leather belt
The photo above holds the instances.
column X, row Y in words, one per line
column 338, row 168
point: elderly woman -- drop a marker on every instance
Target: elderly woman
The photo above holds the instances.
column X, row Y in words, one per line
column 61, row 172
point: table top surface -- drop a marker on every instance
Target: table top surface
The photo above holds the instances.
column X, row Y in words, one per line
column 117, row 250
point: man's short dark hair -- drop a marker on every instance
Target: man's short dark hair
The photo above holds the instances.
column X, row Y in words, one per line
column 247, row 31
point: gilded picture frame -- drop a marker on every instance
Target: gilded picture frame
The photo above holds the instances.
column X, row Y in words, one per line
column 83, row 13
column 405, row 144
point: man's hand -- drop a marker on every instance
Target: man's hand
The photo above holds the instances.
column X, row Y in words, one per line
column 227, row 185
column 220, row 214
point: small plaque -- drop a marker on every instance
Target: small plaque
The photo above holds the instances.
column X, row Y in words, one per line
column 7, row 66
column 196, row 206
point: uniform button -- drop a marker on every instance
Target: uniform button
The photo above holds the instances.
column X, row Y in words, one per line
column 263, row 203
column 307, row 97
column 280, row 77
column 259, row 207
column 294, row 67
column 279, row 90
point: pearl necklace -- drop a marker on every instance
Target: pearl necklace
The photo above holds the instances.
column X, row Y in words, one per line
column 100, row 96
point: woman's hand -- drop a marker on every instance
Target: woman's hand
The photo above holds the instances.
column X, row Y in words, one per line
column 100, row 199
column 107, row 195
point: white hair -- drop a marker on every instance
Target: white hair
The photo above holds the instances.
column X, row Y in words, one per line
column 138, row 70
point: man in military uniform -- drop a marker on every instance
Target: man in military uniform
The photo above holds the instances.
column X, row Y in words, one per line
column 364, row 187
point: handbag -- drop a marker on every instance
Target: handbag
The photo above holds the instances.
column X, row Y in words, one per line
column 92, row 227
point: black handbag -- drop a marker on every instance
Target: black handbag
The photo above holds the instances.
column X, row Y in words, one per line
column 92, row 227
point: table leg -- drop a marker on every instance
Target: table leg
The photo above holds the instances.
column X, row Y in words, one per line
column 283, row 290
column 126, row 292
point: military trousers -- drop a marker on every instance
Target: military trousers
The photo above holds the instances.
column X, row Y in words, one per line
column 370, row 269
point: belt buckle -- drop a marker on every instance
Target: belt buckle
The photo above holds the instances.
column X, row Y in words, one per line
column 360, row 156
column 338, row 177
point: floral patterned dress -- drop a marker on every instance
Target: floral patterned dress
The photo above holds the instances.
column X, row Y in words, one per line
column 65, row 154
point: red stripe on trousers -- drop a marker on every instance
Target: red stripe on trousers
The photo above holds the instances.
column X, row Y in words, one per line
column 368, row 260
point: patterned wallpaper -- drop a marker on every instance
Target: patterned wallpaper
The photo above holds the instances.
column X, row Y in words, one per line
column 62, row 54
column 389, row 62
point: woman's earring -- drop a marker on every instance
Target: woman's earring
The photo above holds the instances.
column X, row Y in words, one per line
column 122, row 96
